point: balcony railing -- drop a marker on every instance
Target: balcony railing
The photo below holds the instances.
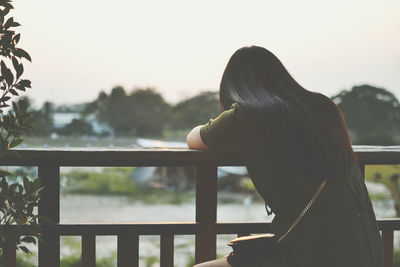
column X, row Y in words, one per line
column 205, row 228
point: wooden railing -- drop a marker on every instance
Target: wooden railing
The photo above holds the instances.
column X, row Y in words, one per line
column 205, row 228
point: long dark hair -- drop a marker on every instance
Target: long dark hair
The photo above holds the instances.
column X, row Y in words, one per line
column 304, row 133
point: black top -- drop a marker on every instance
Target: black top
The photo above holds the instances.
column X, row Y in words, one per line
column 339, row 230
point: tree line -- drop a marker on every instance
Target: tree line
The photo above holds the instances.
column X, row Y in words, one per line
column 372, row 114
column 141, row 112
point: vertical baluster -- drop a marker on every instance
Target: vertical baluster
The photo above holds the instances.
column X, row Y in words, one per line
column 128, row 250
column 10, row 257
column 89, row 250
column 49, row 206
column 167, row 250
column 362, row 169
column 387, row 236
column 206, row 211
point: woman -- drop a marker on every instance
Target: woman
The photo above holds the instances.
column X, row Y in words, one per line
column 295, row 142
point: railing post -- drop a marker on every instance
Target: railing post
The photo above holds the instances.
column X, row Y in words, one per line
column 361, row 166
column 89, row 250
column 49, row 206
column 167, row 250
column 387, row 236
column 206, row 211
column 128, row 250
column 10, row 257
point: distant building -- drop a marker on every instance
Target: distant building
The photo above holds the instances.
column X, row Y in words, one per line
column 99, row 128
column 61, row 119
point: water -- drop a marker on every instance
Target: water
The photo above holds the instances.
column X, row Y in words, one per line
column 122, row 209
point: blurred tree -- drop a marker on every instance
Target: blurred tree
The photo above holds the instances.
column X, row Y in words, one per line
column 77, row 127
column 378, row 137
column 97, row 106
column 196, row 110
column 44, row 123
column 148, row 112
column 144, row 112
column 372, row 114
column 115, row 111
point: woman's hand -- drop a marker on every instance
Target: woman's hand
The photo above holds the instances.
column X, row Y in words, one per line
column 194, row 140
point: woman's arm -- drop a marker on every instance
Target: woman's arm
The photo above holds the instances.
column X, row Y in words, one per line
column 194, row 140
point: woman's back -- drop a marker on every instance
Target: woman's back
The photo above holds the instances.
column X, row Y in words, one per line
column 294, row 139
column 339, row 230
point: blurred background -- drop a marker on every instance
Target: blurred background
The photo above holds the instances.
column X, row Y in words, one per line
column 141, row 74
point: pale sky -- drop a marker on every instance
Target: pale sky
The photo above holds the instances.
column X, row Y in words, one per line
column 181, row 47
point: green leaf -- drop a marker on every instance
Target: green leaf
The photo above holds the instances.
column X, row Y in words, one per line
column 27, row 185
column 16, row 142
column 8, row 23
column 29, row 239
column 19, row 68
column 8, row 5
column 5, row 12
column 4, row 173
column 5, row 98
column 6, row 73
column 16, row 38
column 36, row 184
column 20, row 87
column 29, row 121
column 37, row 193
column 24, row 249
column 13, row 92
column 25, row 83
column 15, row 108
column 3, row 184
column 15, row 24
column 13, row 187
column 21, row 53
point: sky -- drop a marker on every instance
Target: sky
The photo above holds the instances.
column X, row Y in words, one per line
column 80, row 48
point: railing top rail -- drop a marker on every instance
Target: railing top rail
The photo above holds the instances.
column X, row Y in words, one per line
column 177, row 228
column 162, row 156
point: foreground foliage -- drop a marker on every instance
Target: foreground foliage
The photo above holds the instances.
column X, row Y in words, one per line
column 17, row 207
column 17, row 201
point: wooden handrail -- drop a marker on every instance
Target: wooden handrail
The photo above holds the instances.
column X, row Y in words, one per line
column 163, row 157
column 205, row 228
column 175, row 228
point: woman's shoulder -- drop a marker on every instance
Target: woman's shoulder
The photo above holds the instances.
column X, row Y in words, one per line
column 238, row 110
column 236, row 115
column 229, row 131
